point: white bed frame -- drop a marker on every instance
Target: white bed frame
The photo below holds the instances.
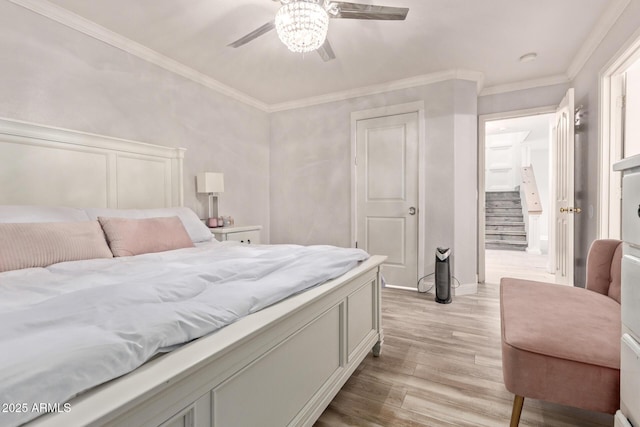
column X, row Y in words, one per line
column 278, row 367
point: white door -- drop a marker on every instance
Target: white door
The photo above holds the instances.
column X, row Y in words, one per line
column 387, row 194
column 563, row 188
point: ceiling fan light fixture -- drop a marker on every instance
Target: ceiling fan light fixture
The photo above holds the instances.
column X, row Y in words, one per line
column 302, row 25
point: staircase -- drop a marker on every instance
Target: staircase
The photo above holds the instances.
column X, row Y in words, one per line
column 504, row 222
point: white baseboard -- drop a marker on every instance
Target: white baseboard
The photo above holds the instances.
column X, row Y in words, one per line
column 463, row 289
column 404, row 288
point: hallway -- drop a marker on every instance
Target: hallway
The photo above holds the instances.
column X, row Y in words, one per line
column 521, row 265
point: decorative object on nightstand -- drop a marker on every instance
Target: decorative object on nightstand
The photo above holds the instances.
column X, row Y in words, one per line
column 213, row 184
column 249, row 234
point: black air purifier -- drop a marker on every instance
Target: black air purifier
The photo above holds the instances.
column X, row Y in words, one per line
column 443, row 276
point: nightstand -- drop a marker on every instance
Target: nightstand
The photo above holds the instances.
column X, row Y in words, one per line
column 244, row 234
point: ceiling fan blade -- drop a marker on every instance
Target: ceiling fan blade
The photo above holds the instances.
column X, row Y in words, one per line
column 368, row 11
column 326, row 52
column 254, row 34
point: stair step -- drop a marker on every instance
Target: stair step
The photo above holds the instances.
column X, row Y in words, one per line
column 514, row 236
column 503, row 217
column 495, row 229
column 513, row 211
column 495, row 195
column 501, row 225
column 503, row 204
column 505, row 245
column 504, row 221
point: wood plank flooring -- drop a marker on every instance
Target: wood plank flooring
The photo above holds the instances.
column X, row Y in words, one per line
column 521, row 265
column 440, row 366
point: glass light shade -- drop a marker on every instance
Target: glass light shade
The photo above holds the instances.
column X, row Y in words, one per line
column 302, row 25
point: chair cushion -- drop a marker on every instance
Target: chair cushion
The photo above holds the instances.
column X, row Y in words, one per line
column 560, row 344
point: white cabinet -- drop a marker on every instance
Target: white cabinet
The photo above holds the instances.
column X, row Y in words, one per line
column 249, row 234
column 621, row 421
column 631, row 207
column 630, row 378
column 630, row 295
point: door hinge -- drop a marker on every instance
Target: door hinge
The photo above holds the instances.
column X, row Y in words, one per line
column 356, row 245
column 355, row 161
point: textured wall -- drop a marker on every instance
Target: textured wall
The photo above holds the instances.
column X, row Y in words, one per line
column 587, row 94
column 57, row 76
column 311, row 170
column 292, row 165
column 465, row 175
column 543, row 96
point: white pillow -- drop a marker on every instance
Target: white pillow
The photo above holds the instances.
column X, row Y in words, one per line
column 21, row 214
column 198, row 232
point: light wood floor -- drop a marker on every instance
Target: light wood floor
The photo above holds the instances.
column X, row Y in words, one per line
column 520, row 265
column 440, row 366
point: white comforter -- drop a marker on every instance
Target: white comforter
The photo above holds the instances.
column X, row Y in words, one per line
column 74, row 325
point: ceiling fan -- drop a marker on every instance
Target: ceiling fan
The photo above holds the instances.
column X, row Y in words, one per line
column 302, row 25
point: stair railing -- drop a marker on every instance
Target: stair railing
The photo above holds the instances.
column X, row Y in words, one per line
column 532, row 208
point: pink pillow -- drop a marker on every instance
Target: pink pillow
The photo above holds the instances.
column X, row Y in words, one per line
column 28, row 245
column 128, row 236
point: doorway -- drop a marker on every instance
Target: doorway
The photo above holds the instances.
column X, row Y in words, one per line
column 620, row 132
column 387, row 200
column 515, row 195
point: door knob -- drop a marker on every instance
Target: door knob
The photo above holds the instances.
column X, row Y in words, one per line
column 412, row 210
column 570, row 210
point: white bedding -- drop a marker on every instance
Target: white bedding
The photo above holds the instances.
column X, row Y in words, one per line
column 74, row 325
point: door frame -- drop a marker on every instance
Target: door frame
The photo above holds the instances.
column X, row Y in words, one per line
column 482, row 121
column 393, row 110
column 610, row 182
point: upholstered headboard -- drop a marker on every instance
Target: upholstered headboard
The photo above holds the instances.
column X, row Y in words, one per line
column 41, row 165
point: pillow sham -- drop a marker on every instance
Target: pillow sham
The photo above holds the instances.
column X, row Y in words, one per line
column 28, row 245
column 198, row 232
column 127, row 236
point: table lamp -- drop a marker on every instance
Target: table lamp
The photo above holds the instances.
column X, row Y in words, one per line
column 213, row 184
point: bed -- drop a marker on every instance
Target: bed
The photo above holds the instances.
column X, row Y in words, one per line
column 279, row 365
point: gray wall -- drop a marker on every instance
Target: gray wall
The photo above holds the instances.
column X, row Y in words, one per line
column 543, row 96
column 311, row 170
column 540, row 163
column 57, row 76
column 587, row 94
column 293, row 165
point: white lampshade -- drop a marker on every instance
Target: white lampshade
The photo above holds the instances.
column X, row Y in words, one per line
column 210, row 182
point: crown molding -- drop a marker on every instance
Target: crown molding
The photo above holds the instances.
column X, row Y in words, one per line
column 526, row 84
column 596, row 35
column 421, row 80
column 90, row 28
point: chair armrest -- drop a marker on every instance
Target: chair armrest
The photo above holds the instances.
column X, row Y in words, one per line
column 604, row 267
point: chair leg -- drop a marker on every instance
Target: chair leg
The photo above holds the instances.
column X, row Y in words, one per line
column 518, row 401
